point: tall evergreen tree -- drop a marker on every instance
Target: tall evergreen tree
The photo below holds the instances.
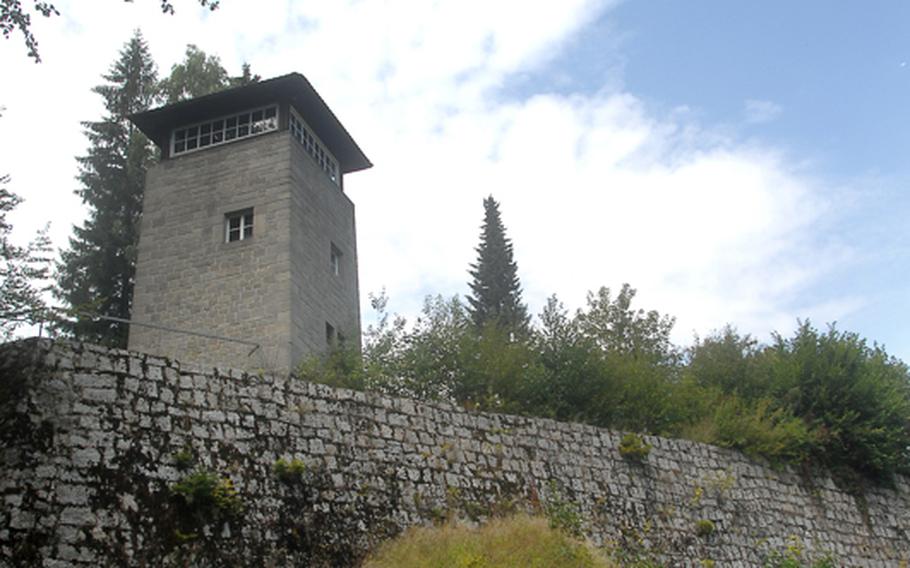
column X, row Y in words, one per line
column 495, row 290
column 96, row 273
column 22, row 270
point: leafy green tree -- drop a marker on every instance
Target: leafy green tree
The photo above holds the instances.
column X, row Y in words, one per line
column 728, row 361
column 13, row 16
column 615, row 327
column 495, row 289
column 854, row 396
column 572, row 386
column 96, row 273
column 200, row 74
column 22, row 268
column 432, row 363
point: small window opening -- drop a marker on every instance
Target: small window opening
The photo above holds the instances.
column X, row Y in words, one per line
column 329, row 335
column 238, row 226
column 335, row 261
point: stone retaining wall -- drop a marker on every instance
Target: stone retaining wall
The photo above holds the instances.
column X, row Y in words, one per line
column 93, row 441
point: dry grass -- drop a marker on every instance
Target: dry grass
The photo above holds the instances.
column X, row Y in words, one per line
column 519, row 542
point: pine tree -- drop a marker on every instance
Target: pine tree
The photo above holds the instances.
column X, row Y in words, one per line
column 495, row 290
column 22, row 269
column 96, row 273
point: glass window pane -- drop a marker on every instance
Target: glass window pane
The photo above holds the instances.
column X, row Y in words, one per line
column 217, row 137
column 179, row 147
column 230, row 134
column 205, row 128
column 270, row 112
column 180, row 134
column 247, row 231
column 257, row 116
column 204, row 140
column 191, row 132
column 243, row 131
column 231, row 122
column 218, row 125
column 244, row 119
column 191, row 144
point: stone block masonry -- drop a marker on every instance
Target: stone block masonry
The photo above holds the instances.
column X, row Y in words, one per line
column 94, row 441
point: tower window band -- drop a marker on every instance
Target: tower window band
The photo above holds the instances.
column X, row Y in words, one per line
column 303, row 134
column 223, row 130
column 238, row 226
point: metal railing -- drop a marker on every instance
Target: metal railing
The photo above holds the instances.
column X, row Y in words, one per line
column 57, row 315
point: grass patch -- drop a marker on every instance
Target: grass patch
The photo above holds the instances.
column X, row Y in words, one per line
column 519, row 541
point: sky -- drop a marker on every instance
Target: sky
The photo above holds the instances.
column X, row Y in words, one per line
column 738, row 163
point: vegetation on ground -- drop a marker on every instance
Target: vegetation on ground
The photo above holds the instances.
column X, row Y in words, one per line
column 519, row 542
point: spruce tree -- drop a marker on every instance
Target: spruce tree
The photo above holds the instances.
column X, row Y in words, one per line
column 23, row 269
column 96, row 273
column 495, row 290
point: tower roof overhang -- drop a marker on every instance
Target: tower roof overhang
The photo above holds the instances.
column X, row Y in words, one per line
column 294, row 88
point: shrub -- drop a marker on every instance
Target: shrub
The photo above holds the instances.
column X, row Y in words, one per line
column 855, row 397
column 340, row 368
column 184, row 459
column 704, row 528
column 562, row 515
column 633, row 447
column 289, row 471
column 203, row 497
column 755, row 429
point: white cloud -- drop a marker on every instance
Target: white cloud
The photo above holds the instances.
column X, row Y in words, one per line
column 595, row 189
column 759, row 111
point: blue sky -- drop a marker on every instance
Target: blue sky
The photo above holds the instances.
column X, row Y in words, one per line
column 738, row 163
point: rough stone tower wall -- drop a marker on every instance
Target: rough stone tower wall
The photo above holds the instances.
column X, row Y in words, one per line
column 322, row 217
column 277, row 289
column 188, row 277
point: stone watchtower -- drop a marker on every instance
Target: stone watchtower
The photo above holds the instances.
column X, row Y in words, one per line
column 246, row 231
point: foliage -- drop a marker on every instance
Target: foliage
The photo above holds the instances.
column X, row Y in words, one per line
column 854, row 397
column 13, row 16
column 754, row 428
column 184, row 459
column 633, row 447
column 96, row 273
column 205, row 497
column 495, row 290
column 200, row 74
column 289, row 471
column 561, row 514
column 340, row 367
column 704, row 528
column 616, row 328
column 518, row 541
column 794, row 556
column 822, row 399
column 22, row 268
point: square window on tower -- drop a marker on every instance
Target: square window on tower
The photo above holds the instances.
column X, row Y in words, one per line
column 238, row 225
